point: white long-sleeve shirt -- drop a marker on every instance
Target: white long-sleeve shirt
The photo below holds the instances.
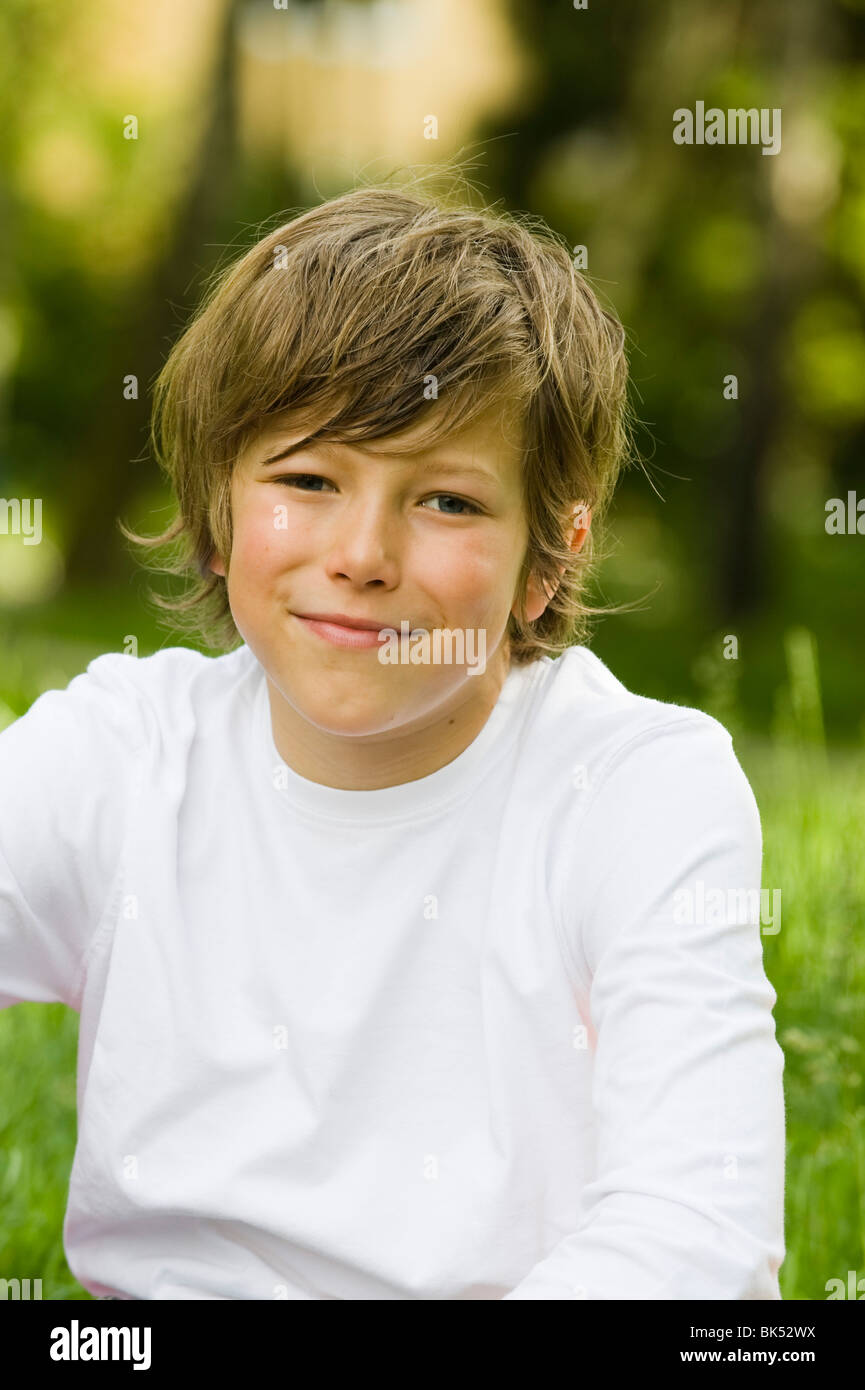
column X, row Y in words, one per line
column 500, row 1032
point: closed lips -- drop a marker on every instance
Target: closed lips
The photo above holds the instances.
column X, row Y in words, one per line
column 341, row 620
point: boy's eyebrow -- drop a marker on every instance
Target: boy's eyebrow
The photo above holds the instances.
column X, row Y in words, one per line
column 454, row 465
column 290, row 449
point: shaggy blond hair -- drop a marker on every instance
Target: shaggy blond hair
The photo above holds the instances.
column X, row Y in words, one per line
column 346, row 314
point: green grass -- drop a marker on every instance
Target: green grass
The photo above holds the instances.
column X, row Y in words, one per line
column 811, row 800
column 37, row 1143
column 812, row 813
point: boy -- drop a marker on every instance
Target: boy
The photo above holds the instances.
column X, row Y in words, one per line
column 386, row 985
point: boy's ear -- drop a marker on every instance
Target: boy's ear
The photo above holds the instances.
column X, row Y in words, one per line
column 537, row 597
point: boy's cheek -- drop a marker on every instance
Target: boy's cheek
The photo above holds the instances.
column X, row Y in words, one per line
column 476, row 580
column 259, row 550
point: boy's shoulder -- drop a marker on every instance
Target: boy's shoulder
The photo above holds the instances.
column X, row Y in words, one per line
column 579, row 675
column 171, row 670
column 592, row 714
column 170, row 684
column 648, row 762
column 121, row 701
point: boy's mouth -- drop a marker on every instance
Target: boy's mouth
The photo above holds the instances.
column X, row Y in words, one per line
column 344, row 620
column 341, row 631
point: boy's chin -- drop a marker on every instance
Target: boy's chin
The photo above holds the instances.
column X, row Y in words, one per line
column 359, row 722
column 351, row 704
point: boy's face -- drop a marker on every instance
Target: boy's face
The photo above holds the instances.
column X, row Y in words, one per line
column 370, row 532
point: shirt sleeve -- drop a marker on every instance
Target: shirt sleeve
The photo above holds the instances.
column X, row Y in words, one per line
column 66, row 775
column 664, row 924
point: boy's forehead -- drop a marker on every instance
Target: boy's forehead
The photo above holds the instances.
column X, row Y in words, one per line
column 495, row 434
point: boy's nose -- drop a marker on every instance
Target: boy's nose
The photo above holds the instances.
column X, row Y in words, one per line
column 364, row 545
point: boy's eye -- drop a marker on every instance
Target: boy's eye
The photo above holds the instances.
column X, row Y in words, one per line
column 461, row 502
column 299, row 479
column 293, row 478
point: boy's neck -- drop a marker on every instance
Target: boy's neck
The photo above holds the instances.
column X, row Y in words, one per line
column 371, row 762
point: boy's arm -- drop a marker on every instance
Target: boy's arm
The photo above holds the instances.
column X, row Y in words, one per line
column 65, row 769
column 687, row 1201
